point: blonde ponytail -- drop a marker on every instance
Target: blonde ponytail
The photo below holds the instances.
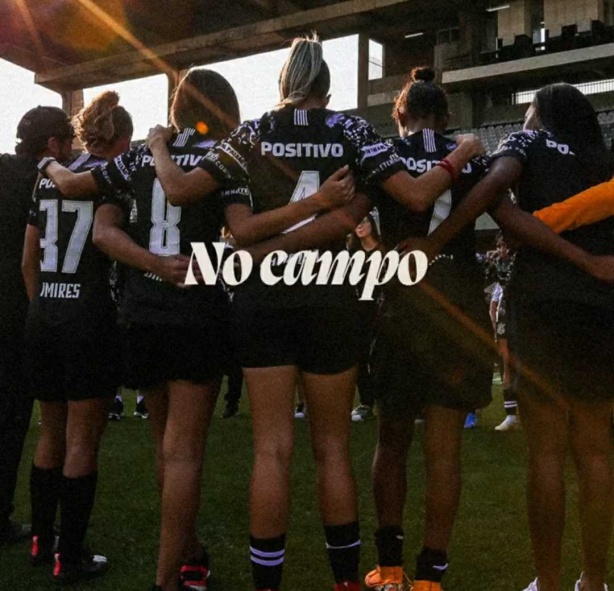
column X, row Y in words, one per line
column 300, row 70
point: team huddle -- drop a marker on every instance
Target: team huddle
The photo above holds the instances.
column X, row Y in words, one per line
column 302, row 177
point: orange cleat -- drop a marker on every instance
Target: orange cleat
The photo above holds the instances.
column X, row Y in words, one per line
column 387, row 578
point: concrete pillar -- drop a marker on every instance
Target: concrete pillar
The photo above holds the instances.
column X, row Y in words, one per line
column 72, row 103
column 515, row 20
column 363, row 71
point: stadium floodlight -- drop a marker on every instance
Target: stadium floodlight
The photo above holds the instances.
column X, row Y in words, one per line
column 412, row 35
column 496, row 8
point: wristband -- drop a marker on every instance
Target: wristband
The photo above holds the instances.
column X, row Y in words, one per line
column 449, row 168
column 44, row 163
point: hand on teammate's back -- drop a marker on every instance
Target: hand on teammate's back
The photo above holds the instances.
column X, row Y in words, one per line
column 338, row 188
column 473, row 141
column 173, row 269
column 159, row 133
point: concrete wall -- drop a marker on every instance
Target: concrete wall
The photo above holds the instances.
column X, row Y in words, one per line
column 516, row 20
column 401, row 57
column 559, row 13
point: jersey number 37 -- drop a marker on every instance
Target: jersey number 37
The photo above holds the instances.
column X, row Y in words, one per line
column 78, row 236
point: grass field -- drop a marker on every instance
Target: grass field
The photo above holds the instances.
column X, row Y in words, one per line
column 490, row 550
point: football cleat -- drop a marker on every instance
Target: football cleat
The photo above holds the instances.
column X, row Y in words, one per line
column 90, row 567
column 42, row 550
column 471, row 420
column 362, row 413
column 141, row 410
column 300, row 412
column 387, row 578
column 511, row 423
column 533, row 586
column 117, row 410
column 195, row 573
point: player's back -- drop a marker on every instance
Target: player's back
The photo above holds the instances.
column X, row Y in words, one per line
column 297, row 151
column 421, row 151
column 164, row 230
column 74, row 274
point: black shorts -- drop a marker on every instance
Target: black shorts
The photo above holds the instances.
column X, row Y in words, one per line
column 319, row 340
column 567, row 349
column 154, row 354
column 433, row 349
column 64, row 365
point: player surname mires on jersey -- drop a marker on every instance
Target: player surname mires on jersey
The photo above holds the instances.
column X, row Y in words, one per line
column 310, row 267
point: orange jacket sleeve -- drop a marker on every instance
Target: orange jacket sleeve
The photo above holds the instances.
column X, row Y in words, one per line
column 590, row 206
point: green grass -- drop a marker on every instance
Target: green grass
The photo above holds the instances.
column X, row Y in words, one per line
column 490, row 549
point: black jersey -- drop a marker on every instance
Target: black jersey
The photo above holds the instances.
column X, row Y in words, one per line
column 285, row 156
column 130, row 182
column 74, row 289
column 17, row 179
column 551, row 173
column 421, row 152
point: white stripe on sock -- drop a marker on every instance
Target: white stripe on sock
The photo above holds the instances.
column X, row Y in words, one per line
column 262, row 554
column 353, row 545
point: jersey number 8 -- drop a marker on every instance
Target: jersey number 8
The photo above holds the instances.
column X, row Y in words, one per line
column 164, row 237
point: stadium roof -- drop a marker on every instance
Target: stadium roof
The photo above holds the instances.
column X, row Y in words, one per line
column 74, row 44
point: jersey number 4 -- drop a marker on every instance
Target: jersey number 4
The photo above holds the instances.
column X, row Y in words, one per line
column 441, row 210
column 78, row 236
column 308, row 184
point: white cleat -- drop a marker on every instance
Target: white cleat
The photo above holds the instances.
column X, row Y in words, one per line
column 511, row 423
column 533, row 586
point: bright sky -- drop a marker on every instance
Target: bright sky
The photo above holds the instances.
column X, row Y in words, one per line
column 253, row 78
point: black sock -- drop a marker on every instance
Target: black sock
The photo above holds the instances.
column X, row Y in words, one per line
column 431, row 565
column 44, row 495
column 509, row 402
column 76, row 503
column 389, row 542
column 267, row 556
column 343, row 545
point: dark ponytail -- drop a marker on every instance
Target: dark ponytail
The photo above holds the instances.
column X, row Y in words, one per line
column 421, row 97
column 569, row 116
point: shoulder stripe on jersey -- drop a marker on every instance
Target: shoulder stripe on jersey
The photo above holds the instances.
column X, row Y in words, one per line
column 82, row 159
column 300, row 117
column 428, row 136
column 182, row 139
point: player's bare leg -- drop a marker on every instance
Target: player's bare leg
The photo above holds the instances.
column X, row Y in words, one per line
column 545, row 424
column 592, row 448
column 190, row 407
